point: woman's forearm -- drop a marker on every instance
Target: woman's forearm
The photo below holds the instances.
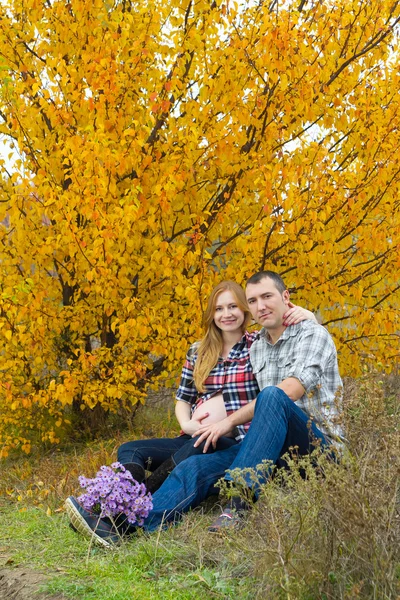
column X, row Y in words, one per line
column 182, row 412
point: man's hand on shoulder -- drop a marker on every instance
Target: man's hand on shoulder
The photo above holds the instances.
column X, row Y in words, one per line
column 296, row 314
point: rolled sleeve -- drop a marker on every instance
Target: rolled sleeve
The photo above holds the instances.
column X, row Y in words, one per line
column 187, row 391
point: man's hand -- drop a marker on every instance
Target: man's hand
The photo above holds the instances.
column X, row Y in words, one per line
column 192, row 427
column 212, row 433
column 296, row 314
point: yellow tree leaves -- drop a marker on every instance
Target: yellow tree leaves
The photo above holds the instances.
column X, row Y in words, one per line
column 163, row 146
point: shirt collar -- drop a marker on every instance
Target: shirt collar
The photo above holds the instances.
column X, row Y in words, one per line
column 250, row 336
column 289, row 332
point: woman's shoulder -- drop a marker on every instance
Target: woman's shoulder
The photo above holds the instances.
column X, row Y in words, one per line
column 251, row 336
column 193, row 350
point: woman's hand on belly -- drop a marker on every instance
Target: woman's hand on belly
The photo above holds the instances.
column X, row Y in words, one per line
column 211, row 411
column 207, row 413
column 190, row 427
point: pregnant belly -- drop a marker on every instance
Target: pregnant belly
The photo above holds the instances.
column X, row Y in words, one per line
column 215, row 406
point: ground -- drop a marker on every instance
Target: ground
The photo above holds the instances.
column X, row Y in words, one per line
column 18, row 583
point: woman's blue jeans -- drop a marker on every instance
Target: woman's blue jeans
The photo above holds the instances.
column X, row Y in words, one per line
column 278, row 424
column 150, row 454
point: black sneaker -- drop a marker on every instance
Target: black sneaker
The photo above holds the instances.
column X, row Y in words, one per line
column 90, row 525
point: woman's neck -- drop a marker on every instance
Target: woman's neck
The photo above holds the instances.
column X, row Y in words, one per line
column 229, row 339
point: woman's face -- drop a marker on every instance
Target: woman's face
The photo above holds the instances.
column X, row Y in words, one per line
column 227, row 315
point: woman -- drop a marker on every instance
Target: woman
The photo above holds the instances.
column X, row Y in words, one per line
column 216, row 380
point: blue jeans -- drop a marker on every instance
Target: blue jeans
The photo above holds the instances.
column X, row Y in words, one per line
column 150, row 454
column 278, row 424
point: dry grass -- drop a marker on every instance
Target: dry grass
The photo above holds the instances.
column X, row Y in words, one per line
column 334, row 532
column 46, row 477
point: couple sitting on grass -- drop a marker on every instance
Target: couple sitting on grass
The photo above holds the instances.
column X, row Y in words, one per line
column 227, row 422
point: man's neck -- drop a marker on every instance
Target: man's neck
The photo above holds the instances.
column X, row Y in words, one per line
column 275, row 334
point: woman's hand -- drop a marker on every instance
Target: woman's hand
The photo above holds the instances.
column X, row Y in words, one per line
column 191, row 427
column 296, row 314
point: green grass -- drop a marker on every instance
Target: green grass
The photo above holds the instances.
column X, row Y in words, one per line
column 156, row 566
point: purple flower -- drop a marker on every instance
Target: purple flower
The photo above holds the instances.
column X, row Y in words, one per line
column 114, row 492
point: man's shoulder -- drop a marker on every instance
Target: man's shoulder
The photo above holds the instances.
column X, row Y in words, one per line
column 312, row 336
column 308, row 327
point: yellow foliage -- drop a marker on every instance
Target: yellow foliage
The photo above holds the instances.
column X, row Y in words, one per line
column 163, row 146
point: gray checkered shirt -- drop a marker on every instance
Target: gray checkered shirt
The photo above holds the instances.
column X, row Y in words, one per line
column 307, row 352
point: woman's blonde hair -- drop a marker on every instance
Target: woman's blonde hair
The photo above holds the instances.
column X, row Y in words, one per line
column 210, row 347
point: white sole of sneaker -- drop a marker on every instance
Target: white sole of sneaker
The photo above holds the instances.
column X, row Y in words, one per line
column 82, row 527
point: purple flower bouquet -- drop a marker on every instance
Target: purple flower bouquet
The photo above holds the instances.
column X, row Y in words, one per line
column 114, row 493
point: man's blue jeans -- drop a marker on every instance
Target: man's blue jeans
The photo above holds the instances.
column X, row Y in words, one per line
column 277, row 425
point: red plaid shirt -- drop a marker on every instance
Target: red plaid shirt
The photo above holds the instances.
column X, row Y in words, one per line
column 232, row 377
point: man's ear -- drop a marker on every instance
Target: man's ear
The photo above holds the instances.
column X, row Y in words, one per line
column 286, row 296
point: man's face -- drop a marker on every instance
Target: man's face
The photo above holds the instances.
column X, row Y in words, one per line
column 267, row 304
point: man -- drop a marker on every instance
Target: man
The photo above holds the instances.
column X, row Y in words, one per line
column 296, row 369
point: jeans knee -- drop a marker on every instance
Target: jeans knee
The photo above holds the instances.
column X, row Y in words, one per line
column 121, row 450
column 272, row 395
column 127, row 451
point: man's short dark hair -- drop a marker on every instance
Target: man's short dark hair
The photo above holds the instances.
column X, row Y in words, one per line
column 277, row 279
